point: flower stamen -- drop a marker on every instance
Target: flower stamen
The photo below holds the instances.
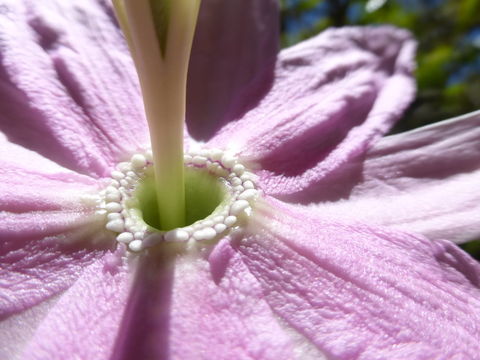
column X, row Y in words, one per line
column 120, row 203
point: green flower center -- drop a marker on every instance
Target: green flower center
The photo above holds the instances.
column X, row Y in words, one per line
column 203, row 194
column 219, row 193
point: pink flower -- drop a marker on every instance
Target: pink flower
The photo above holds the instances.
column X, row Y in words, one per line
column 308, row 278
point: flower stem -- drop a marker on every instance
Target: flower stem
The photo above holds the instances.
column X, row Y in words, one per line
column 160, row 35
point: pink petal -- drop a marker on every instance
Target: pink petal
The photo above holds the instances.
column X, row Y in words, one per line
column 359, row 292
column 46, row 228
column 84, row 322
column 69, row 88
column 232, row 61
column 17, row 330
column 68, row 84
column 424, row 181
column 30, row 182
column 332, row 96
column 197, row 305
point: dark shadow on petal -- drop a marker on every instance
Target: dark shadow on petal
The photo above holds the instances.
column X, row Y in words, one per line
column 47, row 36
column 144, row 331
column 450, row 256
column 37, row 265
column 107, row 7
column 21, row 123
column 232, row 63
column 335, row 186
column 308, row 150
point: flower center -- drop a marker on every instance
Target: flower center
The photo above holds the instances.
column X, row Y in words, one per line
column 219, row 196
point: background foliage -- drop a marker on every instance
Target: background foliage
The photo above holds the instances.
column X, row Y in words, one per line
column 448, row 57
column 448, row 32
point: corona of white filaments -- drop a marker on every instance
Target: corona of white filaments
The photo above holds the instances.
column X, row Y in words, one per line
column 126, row 220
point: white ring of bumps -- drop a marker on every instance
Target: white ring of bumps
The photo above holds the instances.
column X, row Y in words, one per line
column 127, row 222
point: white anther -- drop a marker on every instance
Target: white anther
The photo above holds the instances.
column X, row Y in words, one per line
column 100, row 212
column 228, row 160
column 207, row 223
column 134, row 228
column 216, row 154
column 113, row 207
column 199, row 160
column 117, row 175
column 113, row 196
column 125, row 237
column 209, row 233
column 238, row 206
column 178, row 235
column 220, row 171
column 188, row 229
column 149, row 155
column 194, row 149
column 135, row 245
column 128, row 224
column 138, row 161
column 123, row 167
column 248, row 194
column 198, row 235
column 248, row 185
column 203, row 152
column 219, row 228
column 224, row 212
column 246, row 176
column 114, row 216
column 111, row 189
column 238, row 169
column 197, row 225
column 236, row 181
column 218, row 218
column 230, row 220
column 204, row 234
column 115, row 225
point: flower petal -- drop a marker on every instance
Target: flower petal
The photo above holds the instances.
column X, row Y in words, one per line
column 68, row 84
column 43, row 216
column 333, row 95
column 84, row 322
column 195, row 305
column 232, row 61
column 30, row 182
column 424, row 181
column 359, row 292
column 17, row 330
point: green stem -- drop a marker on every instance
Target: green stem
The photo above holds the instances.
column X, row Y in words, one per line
column 161, row 51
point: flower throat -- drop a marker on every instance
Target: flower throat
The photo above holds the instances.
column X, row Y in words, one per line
column 220, row 194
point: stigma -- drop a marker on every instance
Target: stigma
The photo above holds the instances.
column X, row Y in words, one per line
column 119, row 201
